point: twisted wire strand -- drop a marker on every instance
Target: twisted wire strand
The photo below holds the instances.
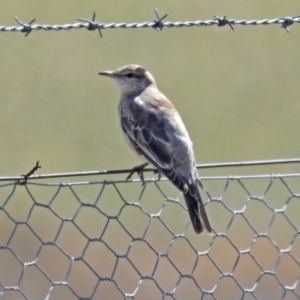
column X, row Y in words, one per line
column 284, row 21
column 126, row 171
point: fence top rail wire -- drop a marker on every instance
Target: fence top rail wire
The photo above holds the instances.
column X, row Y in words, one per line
column 127, row 171
column 149, row 180
column 157, row 24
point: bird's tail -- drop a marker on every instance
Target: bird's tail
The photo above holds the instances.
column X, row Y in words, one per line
column 196, row 209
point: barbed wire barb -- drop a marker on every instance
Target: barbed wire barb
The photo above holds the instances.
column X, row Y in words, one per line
column 92, row 25
column 26, row 27
column 223, row 21
column 158, row 25
column 287, row 22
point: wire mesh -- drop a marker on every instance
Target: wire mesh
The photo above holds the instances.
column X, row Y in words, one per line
column 116, row 239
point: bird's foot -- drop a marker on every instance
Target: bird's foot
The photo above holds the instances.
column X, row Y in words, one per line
column 156, row 171
column 139, row 170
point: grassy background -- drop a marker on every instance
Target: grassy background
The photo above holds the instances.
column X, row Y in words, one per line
column 237, row 92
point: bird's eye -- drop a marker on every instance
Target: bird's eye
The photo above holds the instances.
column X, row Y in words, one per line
column 129, row 75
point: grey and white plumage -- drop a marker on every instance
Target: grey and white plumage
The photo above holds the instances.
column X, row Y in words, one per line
column 154, row 130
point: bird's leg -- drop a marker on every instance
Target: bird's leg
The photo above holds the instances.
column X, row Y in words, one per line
column 139, row 170
column 156, row 171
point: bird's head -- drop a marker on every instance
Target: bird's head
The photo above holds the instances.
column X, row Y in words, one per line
column 130, row 79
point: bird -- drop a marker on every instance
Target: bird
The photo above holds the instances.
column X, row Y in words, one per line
column 155, row 131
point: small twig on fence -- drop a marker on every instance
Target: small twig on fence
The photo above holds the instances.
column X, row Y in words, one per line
column 37, row 166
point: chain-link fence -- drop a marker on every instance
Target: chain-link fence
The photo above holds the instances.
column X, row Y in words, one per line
column 115, row 239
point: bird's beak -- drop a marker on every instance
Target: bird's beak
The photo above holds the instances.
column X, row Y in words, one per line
column 110, row 74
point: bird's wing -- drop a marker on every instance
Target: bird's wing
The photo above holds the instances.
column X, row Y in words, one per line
column 152, row 135
column 149, row 137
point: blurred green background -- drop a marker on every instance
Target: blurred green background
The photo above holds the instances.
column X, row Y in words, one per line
column 238, row 94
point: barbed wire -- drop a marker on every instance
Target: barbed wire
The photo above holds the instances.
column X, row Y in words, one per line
column 157, row 24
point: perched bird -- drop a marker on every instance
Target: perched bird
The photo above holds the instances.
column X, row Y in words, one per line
column 154, row 130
